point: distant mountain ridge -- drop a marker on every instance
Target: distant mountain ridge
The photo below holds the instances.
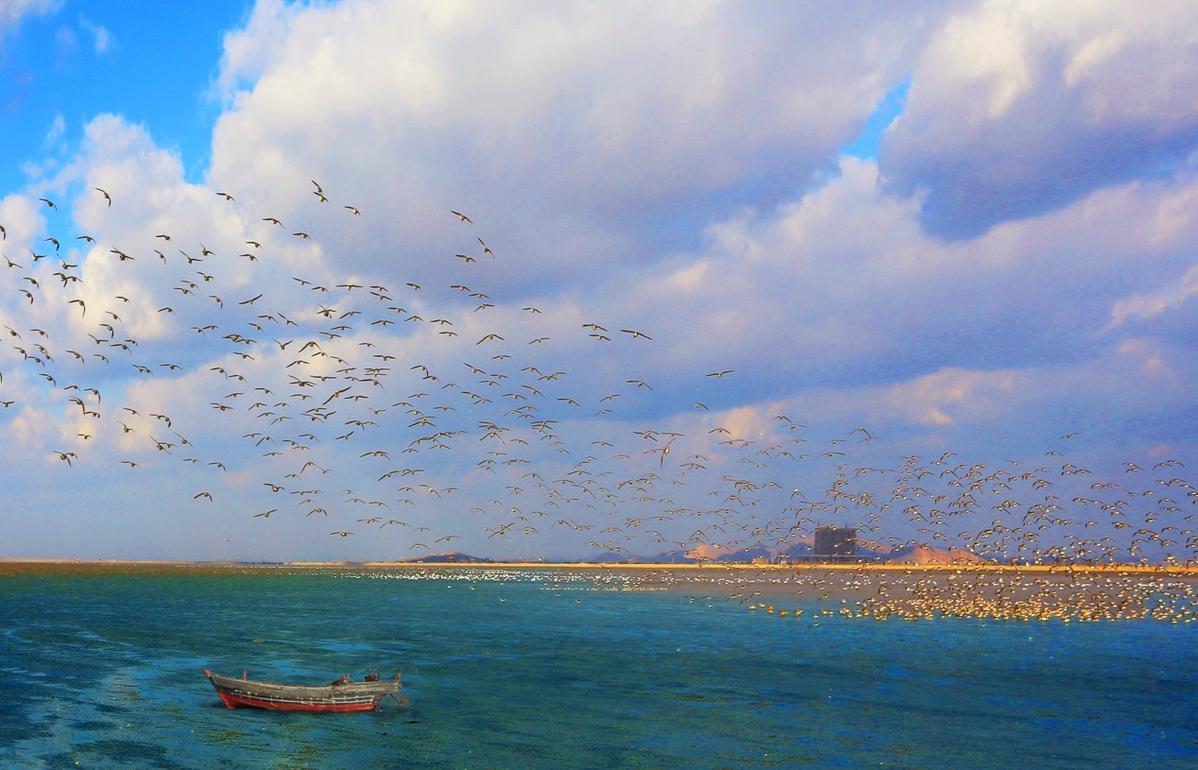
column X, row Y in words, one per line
column 800, row 550
column 452, row 557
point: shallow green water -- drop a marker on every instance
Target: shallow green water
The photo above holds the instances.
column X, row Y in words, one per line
column 106, row 671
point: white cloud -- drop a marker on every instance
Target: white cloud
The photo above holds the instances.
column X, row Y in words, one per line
column 568, row 126
column 1153, row 304
column 102, row 39
column 843, row 284
column 935, row 399
column 12, row 12
column 1019, row 108
column 22, row 220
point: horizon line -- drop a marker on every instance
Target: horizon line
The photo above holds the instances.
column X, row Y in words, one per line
column 1179, row 569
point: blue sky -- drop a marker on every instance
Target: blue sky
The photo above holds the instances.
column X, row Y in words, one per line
column 973, row 239
column 150, row 62
column 866, row 144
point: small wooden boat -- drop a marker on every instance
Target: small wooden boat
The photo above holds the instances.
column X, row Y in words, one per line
column 341, row 695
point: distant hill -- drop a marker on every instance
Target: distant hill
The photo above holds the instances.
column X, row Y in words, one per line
column 453, row 557
column 612, row 557
column 712, row 552
column 923, row 554
column 748, row 554
column 677, row 556
column 802, row 549
column 715, row 553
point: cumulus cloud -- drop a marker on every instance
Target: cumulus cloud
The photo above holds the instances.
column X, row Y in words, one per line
column 571, row 127
column 22, row 219
column 1016, row 109
column 843, row 286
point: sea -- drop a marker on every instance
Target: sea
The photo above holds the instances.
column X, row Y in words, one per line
column 546, row 669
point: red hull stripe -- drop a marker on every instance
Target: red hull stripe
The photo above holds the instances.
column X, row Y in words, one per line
column 233, row 701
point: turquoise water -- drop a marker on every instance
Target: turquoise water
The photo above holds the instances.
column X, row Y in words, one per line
column 105, row 671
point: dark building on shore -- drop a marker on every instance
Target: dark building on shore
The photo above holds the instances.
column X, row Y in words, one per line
column 835, row 541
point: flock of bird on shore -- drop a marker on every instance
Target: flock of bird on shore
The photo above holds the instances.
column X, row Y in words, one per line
column 1066, row 595
column 340, row 423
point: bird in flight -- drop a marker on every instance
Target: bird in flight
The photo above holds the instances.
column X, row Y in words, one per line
column 107, row 197
column 720, row 374
column 462, row 217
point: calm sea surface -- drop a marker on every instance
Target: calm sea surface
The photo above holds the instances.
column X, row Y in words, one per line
column 552, row 671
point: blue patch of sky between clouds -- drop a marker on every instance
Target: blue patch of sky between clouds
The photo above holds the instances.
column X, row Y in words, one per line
column 155, row 72
column 865, row 145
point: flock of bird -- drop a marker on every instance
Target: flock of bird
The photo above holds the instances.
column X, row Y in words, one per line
column 374, row 406
column 1068, row 595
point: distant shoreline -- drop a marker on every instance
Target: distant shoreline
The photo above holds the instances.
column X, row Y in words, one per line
column 17, row 564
